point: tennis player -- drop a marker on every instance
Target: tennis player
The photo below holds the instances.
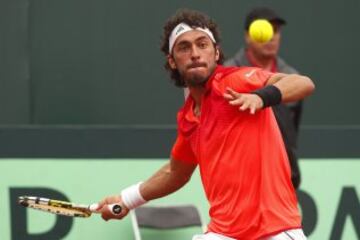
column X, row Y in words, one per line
column 227, row 128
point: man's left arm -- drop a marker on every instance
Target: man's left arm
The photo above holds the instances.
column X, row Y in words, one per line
column 279, row 88
column 293, row 87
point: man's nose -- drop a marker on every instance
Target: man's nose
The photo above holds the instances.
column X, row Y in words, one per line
column 195, row 52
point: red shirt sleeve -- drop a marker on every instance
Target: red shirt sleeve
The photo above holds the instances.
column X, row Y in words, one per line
column 182, row 151
column 247, row 79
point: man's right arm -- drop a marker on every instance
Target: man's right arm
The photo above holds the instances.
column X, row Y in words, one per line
column 171, row 177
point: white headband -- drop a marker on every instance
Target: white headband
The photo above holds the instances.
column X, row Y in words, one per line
column 183, row 28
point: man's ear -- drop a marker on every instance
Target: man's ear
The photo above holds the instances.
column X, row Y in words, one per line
column 217, row 54
column 247, row 38
column 171, row 62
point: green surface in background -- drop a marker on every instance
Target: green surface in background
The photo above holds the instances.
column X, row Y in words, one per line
column 89, row 181
column 86, row 182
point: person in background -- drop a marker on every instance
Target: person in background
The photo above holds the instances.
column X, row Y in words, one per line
column 265, row 56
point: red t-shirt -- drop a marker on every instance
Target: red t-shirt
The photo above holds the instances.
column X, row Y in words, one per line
column 243, row 163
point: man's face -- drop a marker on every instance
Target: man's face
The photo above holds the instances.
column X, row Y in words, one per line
column 265, row 50
column 195, row 57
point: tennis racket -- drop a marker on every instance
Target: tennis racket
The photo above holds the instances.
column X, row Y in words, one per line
column 62, row 207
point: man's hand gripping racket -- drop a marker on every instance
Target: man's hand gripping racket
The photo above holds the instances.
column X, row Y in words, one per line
column 107, row 210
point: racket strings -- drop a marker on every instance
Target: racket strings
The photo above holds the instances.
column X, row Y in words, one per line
column 66, row 211
column 55, row 206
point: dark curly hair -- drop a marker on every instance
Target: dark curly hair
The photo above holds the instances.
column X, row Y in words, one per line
column 194, row 19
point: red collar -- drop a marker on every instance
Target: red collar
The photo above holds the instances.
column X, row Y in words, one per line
column 219, row 72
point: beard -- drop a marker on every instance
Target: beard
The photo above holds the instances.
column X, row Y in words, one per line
column 197, row 78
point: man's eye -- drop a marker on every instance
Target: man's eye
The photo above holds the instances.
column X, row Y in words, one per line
column 203, row 45
column 183, row 48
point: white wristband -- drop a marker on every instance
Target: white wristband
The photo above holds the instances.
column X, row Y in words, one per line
column 131, row 196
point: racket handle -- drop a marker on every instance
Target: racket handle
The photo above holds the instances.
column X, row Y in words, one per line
column 114, row 208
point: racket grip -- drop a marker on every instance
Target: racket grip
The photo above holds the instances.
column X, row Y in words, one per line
column 114, row 208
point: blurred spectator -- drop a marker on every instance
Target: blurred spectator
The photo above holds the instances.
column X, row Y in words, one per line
column 265, row 56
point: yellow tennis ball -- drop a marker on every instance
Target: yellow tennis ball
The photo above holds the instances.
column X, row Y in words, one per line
column 261, row 31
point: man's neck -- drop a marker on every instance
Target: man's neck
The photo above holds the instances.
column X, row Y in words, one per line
column 266, row 63
column 197, row 93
